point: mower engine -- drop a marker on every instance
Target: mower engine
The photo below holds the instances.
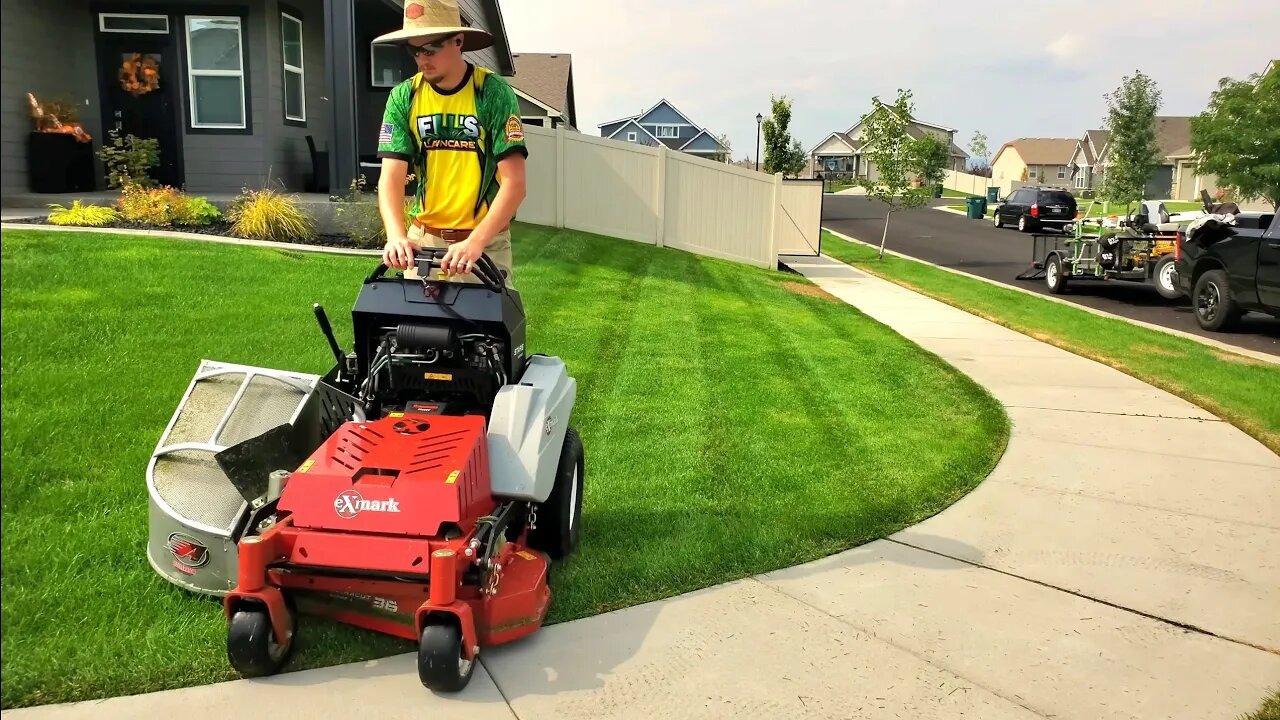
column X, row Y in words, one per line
column 420, row 488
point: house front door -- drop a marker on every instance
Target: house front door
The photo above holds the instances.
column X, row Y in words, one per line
column 139, row 79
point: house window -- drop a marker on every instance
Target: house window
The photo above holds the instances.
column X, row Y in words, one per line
column 1031, row 172
column 385, row 65
column 215, row 73
column 1062, row 173
column 295, row 77
column 631, row 137
column 668, row 131
column 130, row 23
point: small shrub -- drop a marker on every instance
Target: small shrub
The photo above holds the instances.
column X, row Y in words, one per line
column 158, row 206
column 268, row 215
column 129, row 159
column 196, row 211
column 82, row 215
column 165, row 207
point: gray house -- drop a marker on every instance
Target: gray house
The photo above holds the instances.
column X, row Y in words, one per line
column 664, row 124
column 248, row 90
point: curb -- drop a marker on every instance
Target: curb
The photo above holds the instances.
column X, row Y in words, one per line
column 177, row 235
column 1216, row 344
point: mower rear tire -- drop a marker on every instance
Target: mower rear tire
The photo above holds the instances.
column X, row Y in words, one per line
column 559, row 520
column 252, row 649
column 441, row 665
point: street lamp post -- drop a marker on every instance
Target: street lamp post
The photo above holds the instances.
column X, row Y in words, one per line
column 759, row 119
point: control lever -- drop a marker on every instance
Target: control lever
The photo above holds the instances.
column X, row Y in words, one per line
column 325, row 328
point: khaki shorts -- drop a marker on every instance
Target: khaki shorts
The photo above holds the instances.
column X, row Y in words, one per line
column 499, row 251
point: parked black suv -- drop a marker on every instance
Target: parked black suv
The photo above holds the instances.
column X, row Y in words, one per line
column 1033, row 208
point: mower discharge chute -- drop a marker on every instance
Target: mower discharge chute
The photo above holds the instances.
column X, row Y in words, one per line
column 420, row 488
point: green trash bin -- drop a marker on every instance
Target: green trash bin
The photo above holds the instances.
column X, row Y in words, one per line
column 993, row 195
column 975, row 208
column 984, row 206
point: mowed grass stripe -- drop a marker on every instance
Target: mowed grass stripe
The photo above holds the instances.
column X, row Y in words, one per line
column 732, row 426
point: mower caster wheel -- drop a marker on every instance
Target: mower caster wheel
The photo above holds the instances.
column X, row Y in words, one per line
column 441, row 666
column 251, row 646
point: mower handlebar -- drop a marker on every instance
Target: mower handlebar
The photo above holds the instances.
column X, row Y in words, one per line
column 427, row 259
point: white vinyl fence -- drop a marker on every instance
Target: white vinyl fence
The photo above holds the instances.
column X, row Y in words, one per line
column 666, row 198
column 977, row 184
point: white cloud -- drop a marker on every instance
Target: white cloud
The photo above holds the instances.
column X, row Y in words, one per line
column 719, row 60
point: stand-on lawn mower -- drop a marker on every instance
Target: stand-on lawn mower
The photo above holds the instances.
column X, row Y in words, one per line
column 420, row 489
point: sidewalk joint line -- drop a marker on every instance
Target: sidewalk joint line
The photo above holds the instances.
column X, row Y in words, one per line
column 1118, row 414
column 1175, row 623
column 498, row 686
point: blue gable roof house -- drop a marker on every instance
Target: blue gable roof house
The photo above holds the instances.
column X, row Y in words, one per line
column 664, row 124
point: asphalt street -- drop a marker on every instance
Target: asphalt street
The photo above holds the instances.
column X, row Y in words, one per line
column 979, row 248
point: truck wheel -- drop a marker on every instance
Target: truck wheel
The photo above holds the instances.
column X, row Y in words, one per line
column 999, row 220
column 252, row 649
column 441, row 665
column 559, row 519
column 1166, row 278
column 1215, row 309
column 1055, row 277
column 1022, row 223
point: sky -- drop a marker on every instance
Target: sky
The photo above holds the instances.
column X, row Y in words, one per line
column 969, row 66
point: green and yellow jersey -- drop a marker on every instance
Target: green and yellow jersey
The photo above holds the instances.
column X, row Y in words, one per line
column 453, row 141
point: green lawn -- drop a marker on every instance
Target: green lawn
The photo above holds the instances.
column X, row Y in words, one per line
column 949, row 193
column 1228, row 385
column 735, row 421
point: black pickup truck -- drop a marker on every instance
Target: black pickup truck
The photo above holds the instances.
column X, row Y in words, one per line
column 1229, row 269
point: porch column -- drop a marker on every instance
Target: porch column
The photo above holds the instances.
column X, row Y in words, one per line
column 340, row 58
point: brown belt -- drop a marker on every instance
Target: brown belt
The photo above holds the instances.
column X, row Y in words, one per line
column 448, row 235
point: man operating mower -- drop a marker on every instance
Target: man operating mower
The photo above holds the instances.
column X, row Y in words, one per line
column 458, row 126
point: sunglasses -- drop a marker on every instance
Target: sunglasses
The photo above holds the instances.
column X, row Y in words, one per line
column 429, row 49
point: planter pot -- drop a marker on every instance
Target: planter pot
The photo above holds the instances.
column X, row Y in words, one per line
column 58, row 163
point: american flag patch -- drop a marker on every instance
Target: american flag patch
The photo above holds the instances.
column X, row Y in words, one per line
column 384, row 135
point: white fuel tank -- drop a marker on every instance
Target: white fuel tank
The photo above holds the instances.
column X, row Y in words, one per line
column 526, row 430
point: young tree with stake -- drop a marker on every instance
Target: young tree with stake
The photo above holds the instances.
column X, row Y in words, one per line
column 898, row 158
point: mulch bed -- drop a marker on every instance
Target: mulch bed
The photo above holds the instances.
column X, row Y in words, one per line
column 221, row 228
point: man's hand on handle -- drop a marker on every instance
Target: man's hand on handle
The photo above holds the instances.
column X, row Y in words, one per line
column 398, row 252
column 461, row 257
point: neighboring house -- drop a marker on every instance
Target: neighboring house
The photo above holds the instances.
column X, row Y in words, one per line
column 843, row 153
column 1174, row 178
column 1034, row 161
column 244, row 87
column 663, row 124
column 544, row 85
column 1084, row 170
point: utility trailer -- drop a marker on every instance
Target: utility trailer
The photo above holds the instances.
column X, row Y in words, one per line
column 1137, row 251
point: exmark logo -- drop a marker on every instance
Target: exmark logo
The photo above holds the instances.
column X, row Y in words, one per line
column 350, row 503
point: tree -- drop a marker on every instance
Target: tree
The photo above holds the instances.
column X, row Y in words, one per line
column 1134, row 154
column 1238, row 137
column 725, row 155
column 900, row 160
column 782, row 153
column 981, row 152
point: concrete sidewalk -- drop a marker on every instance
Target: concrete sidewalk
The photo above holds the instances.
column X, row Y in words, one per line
column 1122, row 561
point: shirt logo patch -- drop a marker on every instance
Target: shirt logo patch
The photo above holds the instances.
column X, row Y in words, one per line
column 384, row 135
column 515, row 131
column 449, row 131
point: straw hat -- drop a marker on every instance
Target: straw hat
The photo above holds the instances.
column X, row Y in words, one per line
column 431, row 18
